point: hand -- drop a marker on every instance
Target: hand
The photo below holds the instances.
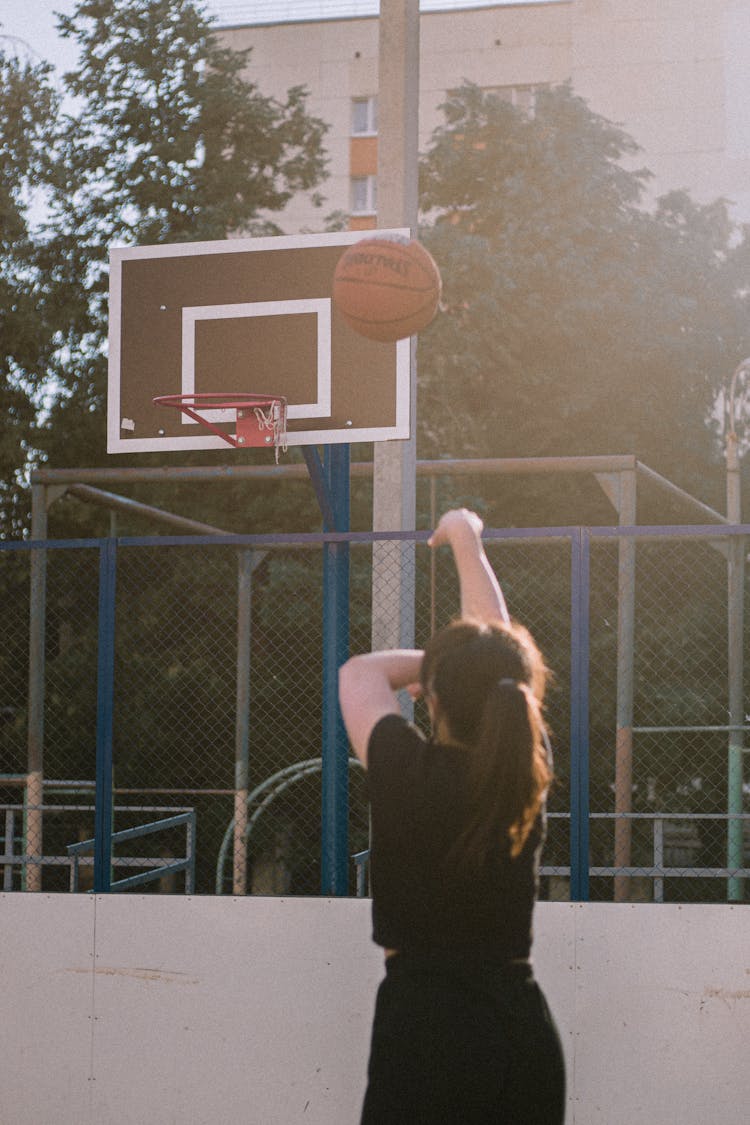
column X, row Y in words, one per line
column 456, row 521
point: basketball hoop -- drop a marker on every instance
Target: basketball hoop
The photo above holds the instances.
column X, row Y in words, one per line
column 260, row 420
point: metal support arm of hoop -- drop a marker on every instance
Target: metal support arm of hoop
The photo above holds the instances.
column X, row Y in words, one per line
column 260, row 420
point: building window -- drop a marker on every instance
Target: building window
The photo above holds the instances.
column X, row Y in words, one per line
column 364, row 193
column 364, row 116
column 522, row 97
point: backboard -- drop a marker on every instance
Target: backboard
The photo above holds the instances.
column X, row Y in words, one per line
column 245, row 316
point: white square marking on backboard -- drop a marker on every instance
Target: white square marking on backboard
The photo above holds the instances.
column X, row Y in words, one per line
column 320, row 307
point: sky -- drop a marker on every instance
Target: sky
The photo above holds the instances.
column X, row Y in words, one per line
column 33, row 21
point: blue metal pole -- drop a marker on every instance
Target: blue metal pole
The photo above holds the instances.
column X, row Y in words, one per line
column 320, row 484
column 579, row 716
column 335, row 776
column 104, row 718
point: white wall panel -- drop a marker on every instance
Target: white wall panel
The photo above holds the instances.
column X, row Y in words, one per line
column 46, row 1008
column 251, row 1010
column 663, row 1008
column 126, row 1010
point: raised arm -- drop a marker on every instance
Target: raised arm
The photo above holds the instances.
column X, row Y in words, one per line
column 367, row 691
column 368, row 684
column 481, row 595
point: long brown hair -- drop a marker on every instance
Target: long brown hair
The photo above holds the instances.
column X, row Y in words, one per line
column 488, row 683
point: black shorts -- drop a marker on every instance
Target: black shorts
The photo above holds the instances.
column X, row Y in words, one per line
column 463, row 1045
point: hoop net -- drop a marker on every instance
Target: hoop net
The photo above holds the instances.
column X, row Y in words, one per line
column 260, row 420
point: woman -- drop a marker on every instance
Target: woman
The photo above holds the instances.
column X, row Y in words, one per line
column 462, row 1033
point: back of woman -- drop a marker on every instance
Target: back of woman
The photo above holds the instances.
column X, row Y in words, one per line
column 462, row 1032
column 420, row 808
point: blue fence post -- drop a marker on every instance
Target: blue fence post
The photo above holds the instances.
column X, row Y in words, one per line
column 335, row 776
column 579, row 716
column 104, row 717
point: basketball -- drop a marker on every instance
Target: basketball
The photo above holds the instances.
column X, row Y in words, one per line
column 386, row 289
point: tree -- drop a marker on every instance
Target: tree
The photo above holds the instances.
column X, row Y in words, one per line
column 29, row 109
column 576, row 321
column 169, row 141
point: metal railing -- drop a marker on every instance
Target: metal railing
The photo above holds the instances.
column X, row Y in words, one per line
column 157, row 868
column 80, row 854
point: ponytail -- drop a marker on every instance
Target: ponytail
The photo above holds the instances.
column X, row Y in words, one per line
column 509, row 773
column 489, row 683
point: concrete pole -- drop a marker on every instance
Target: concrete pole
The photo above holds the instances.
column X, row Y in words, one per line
column 394, row 479
column 625, row 646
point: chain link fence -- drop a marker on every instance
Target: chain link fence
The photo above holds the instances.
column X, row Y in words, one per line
column 669, row 804
column 218, row 722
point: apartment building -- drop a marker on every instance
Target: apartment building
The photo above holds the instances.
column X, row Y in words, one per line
column 675, row 74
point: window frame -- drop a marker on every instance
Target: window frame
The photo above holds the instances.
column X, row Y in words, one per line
column 370, row 101
column 370, row 202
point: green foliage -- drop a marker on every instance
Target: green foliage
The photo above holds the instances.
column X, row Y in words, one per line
column 575, row 320
column 28, row 111
column 172, row 142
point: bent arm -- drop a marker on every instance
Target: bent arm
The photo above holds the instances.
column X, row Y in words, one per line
column 481, row 595
column 367, row 691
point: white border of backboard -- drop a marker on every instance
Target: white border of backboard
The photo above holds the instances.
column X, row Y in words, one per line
column 118, row 255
